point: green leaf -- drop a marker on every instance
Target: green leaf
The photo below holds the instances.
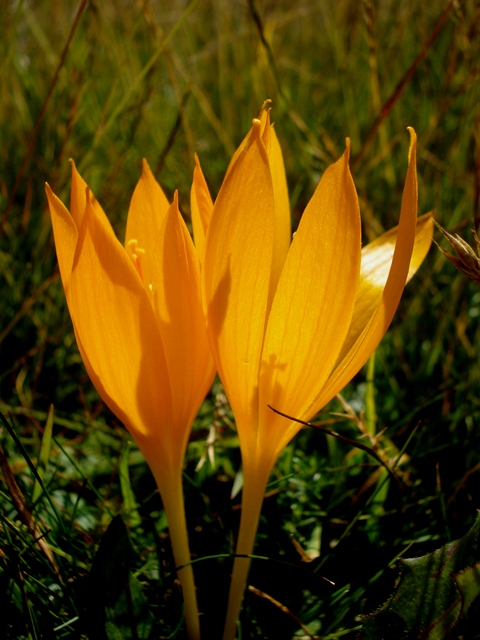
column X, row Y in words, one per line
column 468, row 583
column 432, row 595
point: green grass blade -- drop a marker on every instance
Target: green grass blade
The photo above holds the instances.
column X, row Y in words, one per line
column 129, row 500
column 44, row 455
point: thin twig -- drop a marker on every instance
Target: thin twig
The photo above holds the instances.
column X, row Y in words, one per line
column 261, row 32
column 282, row 607
column 25, row 513
column 353, row 443
column 43, row 111
column 390, row 102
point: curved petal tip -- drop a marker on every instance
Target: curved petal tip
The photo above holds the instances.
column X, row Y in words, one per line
column 413, row 142
column 347, row 149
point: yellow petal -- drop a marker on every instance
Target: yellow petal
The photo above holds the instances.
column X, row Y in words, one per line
column 283, row 231
column 313, row 304
column 147, row 211
column 66, row 235
column 201, row 207
column 178, row 306
column 236, row 270
column 118, row 333
column 376, row 261
column 262, row 118
column 370, row 337
column 66, row 238
column 78, row 199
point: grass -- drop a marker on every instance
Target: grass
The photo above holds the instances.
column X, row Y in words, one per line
column 109, row 83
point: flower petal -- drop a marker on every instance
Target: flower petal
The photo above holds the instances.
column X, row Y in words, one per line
column 147, row 211
column 65, row 233
column 201, row 205
column 370, row 337
column 262, row 118
column 118, row 333
column 283, row 230
column 177, row 303
column 236, row 270
column 78, row 199
column 283, row 227
column 313, row 304
column 376, row 260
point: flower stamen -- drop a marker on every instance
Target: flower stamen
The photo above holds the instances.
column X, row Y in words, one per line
column 136, row 253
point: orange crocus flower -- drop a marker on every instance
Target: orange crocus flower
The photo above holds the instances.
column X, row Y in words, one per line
column 291, row 324
column 138, row 319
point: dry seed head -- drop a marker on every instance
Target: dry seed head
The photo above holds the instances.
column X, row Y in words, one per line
column 468, row 262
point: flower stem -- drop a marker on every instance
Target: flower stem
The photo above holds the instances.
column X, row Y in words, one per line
column 172, row 497
column 252, row 500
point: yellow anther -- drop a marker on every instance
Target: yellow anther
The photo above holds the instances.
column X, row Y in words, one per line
column 133, row 245
column 266, row 105
column 136, row 254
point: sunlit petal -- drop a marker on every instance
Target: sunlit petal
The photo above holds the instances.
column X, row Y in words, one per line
column 370, row 337
column 66, row 236
column 117, row 328
column 376, row 261
column 262, row 118
column 237, row 263
column 147, row 211
column 201, row 205
column 78, row 199
column 178, row 307
column 283, row 230
column 314, row 302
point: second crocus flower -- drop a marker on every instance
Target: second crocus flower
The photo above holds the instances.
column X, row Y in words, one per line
column 290, row 325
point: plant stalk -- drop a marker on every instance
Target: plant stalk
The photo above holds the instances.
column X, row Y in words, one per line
column 253, row 493
column 172, row 496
